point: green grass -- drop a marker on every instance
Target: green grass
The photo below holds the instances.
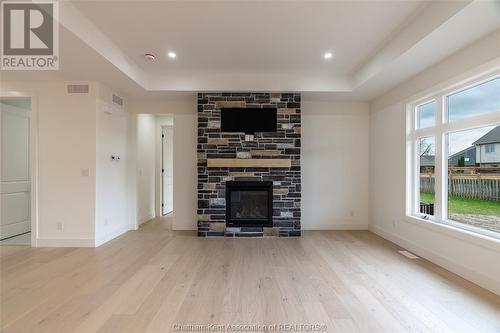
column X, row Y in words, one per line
column 461, row 205
column 427, row 197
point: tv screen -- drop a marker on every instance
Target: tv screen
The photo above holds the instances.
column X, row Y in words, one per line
column 248, row 120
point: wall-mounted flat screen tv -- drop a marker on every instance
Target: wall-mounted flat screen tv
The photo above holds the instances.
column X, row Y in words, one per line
column 249, row 120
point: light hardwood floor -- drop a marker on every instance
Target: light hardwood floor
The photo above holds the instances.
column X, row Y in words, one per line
column 153, row 279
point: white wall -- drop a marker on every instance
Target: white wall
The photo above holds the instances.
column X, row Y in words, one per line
column 65, row 143
column 111, row 176
column 185, row 170
column 492, row 157
column 473, row 257
column 334, row 161
column 66, row 150
column 335, row 154
column 146, row 161
column 76, row 185
column 132, row 152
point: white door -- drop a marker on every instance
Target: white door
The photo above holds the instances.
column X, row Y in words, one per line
column 167, row 170
column 15, row 182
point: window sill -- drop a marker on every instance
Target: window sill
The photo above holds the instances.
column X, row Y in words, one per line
column 448, row 229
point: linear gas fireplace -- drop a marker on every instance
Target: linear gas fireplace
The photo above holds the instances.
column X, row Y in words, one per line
column 249, row 204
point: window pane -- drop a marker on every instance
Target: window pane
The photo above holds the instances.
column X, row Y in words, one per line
column 426, row 115
column 426, row 151
column 474, row 177
column 478, row 100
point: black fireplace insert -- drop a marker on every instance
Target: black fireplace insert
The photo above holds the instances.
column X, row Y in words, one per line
column 249, row 204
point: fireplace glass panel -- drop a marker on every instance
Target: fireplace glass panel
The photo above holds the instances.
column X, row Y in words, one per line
column 249, row 204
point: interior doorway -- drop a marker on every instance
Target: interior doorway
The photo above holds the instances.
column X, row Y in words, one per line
column 154, row 164
column 15, row 171
column 167, row 170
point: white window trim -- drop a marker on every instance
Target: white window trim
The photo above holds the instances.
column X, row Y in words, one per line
column 439, row 131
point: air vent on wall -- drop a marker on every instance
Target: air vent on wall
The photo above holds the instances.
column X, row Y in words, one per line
column 78, row 88
column 117, row 100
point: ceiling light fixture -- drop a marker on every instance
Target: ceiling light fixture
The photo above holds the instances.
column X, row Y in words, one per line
column 172, row 55
column 149, row 56
column 328, row 55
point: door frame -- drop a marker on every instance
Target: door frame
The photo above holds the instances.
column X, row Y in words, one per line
column 33, row 156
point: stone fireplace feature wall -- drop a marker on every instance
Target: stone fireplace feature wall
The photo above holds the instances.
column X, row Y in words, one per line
column 284, row 144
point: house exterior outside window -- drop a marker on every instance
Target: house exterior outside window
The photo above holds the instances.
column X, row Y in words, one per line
column 488, row 148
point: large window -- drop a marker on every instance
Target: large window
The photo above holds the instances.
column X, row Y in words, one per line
column 426, row 114
column 426, row 158
column 453, row 144
column 477, row 100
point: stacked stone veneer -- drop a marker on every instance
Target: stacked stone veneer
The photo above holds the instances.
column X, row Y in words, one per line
column 284, row 144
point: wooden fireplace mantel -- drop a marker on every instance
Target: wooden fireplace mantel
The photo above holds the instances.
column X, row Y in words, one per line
column 248, row 163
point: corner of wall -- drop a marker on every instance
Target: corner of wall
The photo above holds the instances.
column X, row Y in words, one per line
column 388, row 173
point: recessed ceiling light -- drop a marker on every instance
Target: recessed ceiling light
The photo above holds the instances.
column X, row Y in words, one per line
column 172, row 55
column 149, row 56
column 328, row 55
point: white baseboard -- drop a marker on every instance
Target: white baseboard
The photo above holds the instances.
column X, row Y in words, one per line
column 480, row 279
column 109, row 236
column 335, row 226
column 145, row 218
column 65, row 242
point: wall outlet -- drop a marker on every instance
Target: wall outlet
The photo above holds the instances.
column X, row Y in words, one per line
column 60, row 226
column 105, row 221
column 351, row 213
column 394, row 223
column 85, row 172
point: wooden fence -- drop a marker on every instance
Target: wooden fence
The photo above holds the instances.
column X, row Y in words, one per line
column 489, row 171
column 467, row 187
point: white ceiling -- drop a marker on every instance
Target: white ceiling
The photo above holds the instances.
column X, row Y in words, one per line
column 271, row 45
column 79, row 62
column 249, row 37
